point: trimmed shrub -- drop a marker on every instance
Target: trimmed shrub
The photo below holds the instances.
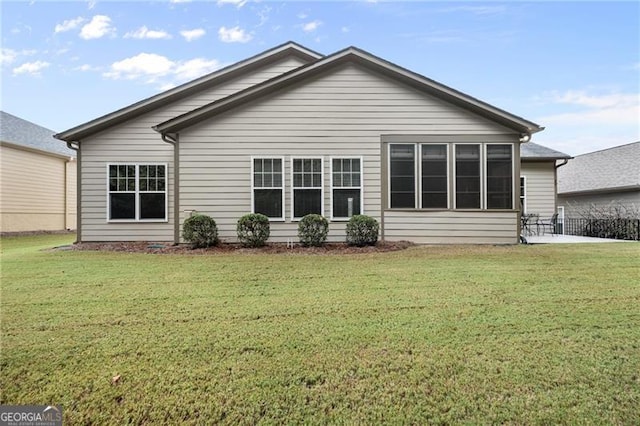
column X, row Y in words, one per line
column 200, row 231
column 313, row 230
column 362, row 230
column 253, row 230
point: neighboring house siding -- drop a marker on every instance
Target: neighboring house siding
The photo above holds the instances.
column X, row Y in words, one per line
column 540, row 187
column 33, row 191
column 136, row 142
column 341, row 113
column 71, row 195
column 577, row 206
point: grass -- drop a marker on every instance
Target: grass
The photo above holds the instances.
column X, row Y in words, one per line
column 520, row 335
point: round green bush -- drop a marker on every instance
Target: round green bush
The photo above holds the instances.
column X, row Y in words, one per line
column 362, row 230
column 313, row 230
column 253, row 230
column 200, row 231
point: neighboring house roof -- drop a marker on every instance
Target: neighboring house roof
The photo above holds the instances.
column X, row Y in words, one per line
column 23, row 133
column 187, row 89
column 533, row 152
column 613, row 169
column 351, row 54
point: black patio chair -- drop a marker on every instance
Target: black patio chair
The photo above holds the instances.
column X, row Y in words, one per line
column 551, row 223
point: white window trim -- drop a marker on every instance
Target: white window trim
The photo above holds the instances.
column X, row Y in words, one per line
column 293, row 188
column 513, row 173
column 137, row 193
column 523, row 196
column 419, row 176
column 482, row 178
column 269, row 157
column 361, row 187
column 416, row 196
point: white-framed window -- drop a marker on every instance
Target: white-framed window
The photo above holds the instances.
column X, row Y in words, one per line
column 267, row 186
column 346, row 187
column 523, row 194
column 137, row 192
column 307, row 186
column 468, row 176
column 499, row 171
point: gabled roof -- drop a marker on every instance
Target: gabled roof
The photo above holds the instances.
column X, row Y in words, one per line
column 533, row 152
column 16, row 131
column 187, row 89
column 351, row 54
column 613, row 169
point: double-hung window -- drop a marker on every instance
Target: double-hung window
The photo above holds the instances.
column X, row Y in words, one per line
column 268, row 187
column 307, row 186
column 402, row 175
column 137, row 192
column 346, row 187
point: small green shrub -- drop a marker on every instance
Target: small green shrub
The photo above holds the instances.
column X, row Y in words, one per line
column 200, row 231
column 362, row 230
column 253, row 230
column 313, row 230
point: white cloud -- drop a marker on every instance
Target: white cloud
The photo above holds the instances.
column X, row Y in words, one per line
column 68, row 25
column 194, row 34
column 603, row 108
column 345, row 29
column 7, row 56
column 179, row 1
column 86, row 67
column 310, row 27
column 233, row 35
column 91, row 4
column 302, row 15
column 99, row 26
column 154, row 68
column 237, row 3
column 32, row 68
column 148, row 65
column 145, row 33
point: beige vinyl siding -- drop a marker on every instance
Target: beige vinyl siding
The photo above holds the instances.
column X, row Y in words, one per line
column 71, row 194
column 451, row 227
column 540, row 187
column 136, row 142
column 341, row 113
column 33, row 191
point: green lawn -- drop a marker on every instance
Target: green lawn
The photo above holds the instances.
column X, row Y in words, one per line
column 520, row 335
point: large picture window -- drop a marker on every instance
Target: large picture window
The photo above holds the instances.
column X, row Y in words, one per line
column 268, row 187
column 307, row 186
column 402, row 175
column 434, row 172
column 137, row 192
column 346, row 187
column 468, row 177
column 499, row 177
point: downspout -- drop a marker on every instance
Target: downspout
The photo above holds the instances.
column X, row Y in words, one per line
column 75, row 145
column 555, row 184
column 173, row 140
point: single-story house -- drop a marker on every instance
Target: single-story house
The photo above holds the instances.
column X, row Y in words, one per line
column 539, row 180
column 600, row 179
column 290, row 132
column 37, row 176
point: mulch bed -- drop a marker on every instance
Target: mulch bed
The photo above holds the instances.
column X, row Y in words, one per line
column 169, row 248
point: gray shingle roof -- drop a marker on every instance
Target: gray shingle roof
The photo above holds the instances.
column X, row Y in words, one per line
column 609, row 169
column 22, row 132
column 532, row 151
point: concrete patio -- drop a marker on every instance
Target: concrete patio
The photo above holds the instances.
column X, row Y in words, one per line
column 567, row 239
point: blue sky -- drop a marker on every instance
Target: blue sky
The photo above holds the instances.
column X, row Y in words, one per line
column 573, row 67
